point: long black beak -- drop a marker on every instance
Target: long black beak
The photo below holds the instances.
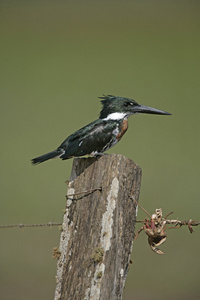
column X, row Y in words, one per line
column 149, row 110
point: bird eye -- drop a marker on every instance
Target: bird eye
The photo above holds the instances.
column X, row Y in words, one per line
column 128, row 103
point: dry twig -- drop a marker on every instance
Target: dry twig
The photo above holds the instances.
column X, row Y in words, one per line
column 156, row 226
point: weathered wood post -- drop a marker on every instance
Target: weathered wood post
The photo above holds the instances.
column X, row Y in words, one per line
column 98, row 228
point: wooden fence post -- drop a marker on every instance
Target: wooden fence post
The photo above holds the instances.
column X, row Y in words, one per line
column 98, row 228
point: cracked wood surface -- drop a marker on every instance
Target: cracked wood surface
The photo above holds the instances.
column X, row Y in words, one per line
column 98, row 228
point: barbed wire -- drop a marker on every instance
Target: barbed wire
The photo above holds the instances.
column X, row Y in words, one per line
column 49, row 224
column 176, row 223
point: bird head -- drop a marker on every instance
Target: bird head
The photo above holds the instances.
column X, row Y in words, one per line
column 120, row 107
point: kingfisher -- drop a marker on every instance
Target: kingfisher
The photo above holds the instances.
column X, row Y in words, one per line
column 102, row 134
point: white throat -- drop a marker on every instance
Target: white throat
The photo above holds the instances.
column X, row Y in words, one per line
column 115, row 116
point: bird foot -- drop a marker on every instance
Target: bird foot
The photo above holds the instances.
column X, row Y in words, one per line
column 99, row 154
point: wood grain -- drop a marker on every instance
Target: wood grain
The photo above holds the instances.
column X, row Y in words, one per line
column 98, row 228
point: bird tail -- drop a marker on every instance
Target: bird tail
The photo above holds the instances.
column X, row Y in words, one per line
column 52, row 154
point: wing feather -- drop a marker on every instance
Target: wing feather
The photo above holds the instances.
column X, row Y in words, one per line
column 93, row 137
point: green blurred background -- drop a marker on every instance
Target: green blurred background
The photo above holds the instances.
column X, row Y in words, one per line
column 56, row 58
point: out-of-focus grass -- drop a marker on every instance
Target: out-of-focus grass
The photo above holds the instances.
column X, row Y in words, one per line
column 56, row 59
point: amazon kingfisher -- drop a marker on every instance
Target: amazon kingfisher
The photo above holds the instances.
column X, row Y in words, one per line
column 103, row 133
